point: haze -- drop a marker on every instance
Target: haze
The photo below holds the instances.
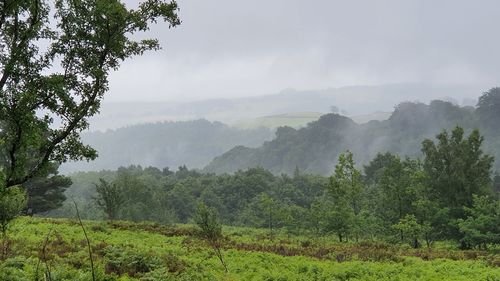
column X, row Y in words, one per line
column 234, row 49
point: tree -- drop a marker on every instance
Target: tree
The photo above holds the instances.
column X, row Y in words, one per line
column 346, row 189
column 46, row 192
column 395, row 186
column 210, row 230
column 482, row 225
column 110, row 198
column 263, row 211
column 376, row 166
column 488, row 110
column 457, row 170
column 411, row 228
column 48, row 92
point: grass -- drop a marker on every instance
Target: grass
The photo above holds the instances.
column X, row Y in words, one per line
column 148, row 252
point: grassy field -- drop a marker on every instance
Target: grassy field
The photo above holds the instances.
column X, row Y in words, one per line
column 128, row 251
column 296, row 119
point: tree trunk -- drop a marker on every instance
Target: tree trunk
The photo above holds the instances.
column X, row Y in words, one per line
column 416, row 244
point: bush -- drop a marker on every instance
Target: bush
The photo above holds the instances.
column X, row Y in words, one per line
column 121, row 261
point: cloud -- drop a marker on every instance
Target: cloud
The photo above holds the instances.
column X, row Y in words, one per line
column 228, row 48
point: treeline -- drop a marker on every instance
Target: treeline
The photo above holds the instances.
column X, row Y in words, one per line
column 449, row 194
column 315, row 148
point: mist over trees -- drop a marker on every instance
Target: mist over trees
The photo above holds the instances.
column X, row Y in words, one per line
column 166, row 144
column 314, row 148
column 448, row 194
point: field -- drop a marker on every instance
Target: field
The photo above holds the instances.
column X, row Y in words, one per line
column 296, row 119
column 128, row 251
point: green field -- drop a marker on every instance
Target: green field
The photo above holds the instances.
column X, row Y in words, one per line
column 296, row 119
column 128, row 251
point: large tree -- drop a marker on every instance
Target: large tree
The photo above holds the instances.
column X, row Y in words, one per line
column 55, row 59
column 46, row 192
column 346, row 189
column 110, row 198
column 457, row 169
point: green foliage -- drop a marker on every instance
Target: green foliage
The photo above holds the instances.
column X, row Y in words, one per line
column 263, row 211
column 376, row 167
column 488, row 111
column 457, row 169
column 122, row 261
column 46, row 192
column 140, row 252
column 346, row 204
column 166, row 144
column 396, row 185
column 110, row 198
column 315, row 147
column 482, row 225
column 65, row 81
column 210, row 230
column 12, row 202
column 410, row 228
column 207, row 221
column 346, row 190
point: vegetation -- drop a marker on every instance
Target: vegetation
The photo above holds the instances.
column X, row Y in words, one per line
column 315, row 147
column 210, row 230
column 109, row 198
column 65, row 81
column 55, row 59
column 46, row 192
column 128, row 251
column 294, row 120
column 48, row 93
column 397, row 200
column 166, row 144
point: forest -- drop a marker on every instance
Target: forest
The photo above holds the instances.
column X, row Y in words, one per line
column 414, row 197
column 449, row 194
column 315, row 147
column 165, row 144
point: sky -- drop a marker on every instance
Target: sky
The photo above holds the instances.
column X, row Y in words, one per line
column 235, row 48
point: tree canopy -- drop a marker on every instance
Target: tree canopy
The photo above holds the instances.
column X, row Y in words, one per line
column 55, row 59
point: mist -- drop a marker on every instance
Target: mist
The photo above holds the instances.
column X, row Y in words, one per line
column 229, row 49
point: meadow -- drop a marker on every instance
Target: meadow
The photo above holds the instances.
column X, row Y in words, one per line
column 56, row 249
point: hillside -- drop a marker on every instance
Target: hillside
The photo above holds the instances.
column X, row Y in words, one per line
column 296, row 120
column 127, row 251
column 351, row 101
column 316, row 147
column 165, row 144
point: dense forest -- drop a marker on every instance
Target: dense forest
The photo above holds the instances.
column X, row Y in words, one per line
column 165, row 144
column 449, row 194
column 316, row 147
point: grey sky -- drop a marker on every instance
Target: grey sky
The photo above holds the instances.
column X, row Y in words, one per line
column 233, row 48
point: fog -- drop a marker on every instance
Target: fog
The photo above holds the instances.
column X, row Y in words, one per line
column 235, row 49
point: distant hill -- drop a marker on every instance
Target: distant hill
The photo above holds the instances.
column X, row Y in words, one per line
column 295, row 120
column 315, row 148
column 376, row 116
column 301, row 119
column 350, row 101
column 165, row 144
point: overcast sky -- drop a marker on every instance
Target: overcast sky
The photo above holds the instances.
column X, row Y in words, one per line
column 235, row 48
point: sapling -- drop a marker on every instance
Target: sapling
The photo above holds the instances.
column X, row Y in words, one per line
column 210, row 230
